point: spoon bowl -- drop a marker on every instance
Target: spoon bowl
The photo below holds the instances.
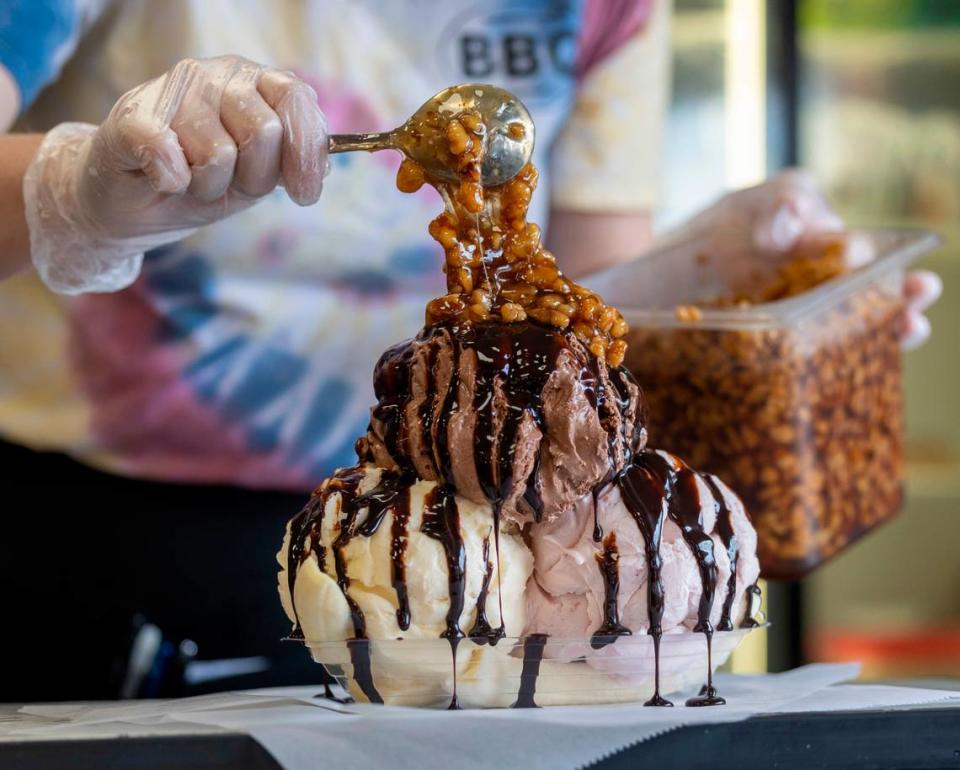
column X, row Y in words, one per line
column 509, row 133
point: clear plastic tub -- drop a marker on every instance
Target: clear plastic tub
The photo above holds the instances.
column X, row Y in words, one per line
column 522, row 672
column 796, row 404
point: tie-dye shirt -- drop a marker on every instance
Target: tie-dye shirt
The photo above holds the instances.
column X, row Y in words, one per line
column 244, row 353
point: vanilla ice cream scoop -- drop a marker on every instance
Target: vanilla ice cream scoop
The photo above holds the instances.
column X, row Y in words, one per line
column 379, row 556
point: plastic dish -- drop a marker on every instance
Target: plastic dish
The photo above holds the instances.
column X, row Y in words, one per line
column 522, row 672
column 796, row 404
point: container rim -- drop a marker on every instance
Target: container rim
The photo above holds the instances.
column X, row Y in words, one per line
column 520, row 640
column 909, row 244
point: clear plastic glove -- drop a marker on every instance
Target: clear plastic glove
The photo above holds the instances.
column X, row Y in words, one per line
column 754, row 230
column 204, row 140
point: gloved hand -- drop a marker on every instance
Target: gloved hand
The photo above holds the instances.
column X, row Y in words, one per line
column 765, row 224
column 204, row 140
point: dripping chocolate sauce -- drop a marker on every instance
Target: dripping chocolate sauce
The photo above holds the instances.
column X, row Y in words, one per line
column 398, row 549
column 651, row 483
column 708, row 693
column 685, row 511
column 646, row 489
column 482, row 632
column 306, row 525
column 441, row 521
column 597, row 529
column 621, row 380
column 729, row 539
column 533, row 646
column 298, row 529
column 359, row 646
column 611, row 627
column 391, row 493
column 748, row 620
column 513, row 367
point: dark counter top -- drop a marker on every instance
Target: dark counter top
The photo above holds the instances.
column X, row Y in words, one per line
column 915, row 738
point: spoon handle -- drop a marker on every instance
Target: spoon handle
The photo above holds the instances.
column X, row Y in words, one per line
column 368, row 142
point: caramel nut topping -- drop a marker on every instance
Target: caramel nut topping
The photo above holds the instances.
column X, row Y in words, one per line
column 495, row 263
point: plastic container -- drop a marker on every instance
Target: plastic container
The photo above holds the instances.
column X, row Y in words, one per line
column 796, row 404
column 525, row 672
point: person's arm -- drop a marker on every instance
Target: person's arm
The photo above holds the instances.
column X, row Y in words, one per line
column 205, row 140
column 16, row 152
column 9, row 99
column 606, row 161
column 588, row 241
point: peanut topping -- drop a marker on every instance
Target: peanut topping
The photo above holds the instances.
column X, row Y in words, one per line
column 496, row 266
column 800, row 273
column 804, row 422
column 516, row 130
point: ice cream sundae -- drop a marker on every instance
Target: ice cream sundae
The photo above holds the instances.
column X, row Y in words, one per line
column 505, row 507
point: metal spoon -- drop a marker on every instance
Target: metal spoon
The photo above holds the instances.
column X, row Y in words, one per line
column 510, row 133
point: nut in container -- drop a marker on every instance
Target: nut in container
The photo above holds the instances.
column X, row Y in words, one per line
column 793, row 393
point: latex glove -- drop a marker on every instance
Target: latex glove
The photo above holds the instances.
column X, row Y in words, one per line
column 204, row 140
column 751, row 231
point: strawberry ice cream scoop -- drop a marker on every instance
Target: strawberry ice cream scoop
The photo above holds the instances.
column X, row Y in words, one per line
column 592, row 579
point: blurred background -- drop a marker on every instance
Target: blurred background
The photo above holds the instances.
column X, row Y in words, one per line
column 866, row 95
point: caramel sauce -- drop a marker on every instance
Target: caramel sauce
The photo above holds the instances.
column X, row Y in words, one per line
column 496, row 266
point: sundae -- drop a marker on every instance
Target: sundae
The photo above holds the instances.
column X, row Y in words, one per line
column 507, row 537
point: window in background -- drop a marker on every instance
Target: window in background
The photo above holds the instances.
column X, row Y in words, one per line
column 716, row 135
column 694, row 145
column 880, row 127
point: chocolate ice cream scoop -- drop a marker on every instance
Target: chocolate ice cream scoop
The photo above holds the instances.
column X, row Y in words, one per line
column 518, row 415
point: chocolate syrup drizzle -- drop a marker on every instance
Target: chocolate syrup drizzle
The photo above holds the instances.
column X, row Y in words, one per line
column 646, row 490
column 391, row 493
column 729, row 540
column 359, row 646
column 482, row 632
column 748, row 620
column 441, row 521
column 653, row 488
column 609, row 566
column 533, row 646
column 516, row 364
column 621, row 379
column 686, row 513
column 299, row 527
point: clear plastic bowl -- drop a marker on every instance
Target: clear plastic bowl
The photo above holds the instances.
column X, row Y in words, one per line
column 420, row 672
column 796, row 404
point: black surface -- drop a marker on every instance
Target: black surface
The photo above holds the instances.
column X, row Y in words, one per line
column 917, row 739
column 83, row 553
column 196, row 752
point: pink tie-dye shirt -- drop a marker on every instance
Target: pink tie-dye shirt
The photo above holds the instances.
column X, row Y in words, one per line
column 244, row 354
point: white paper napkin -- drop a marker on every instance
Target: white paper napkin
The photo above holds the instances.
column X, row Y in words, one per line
column 542, row 739
column 297, row 728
